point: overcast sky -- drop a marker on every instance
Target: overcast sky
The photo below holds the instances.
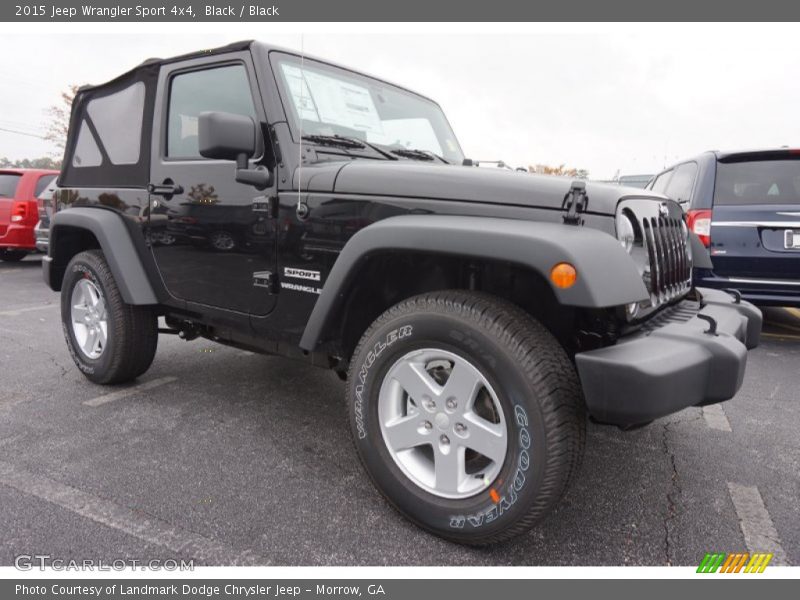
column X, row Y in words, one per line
column 627, row 102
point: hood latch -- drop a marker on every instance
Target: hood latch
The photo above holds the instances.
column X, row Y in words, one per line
column 575, row 202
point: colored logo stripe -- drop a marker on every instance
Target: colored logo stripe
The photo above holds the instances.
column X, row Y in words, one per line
column 711, row 562
column 758, row 562
column 734, row 563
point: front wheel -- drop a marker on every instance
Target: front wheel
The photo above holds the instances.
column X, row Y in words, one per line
column 109, row 340
column 467, row 415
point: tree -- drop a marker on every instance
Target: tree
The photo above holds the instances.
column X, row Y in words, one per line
column 57, row 127
column 560, row 170
column 45, row 162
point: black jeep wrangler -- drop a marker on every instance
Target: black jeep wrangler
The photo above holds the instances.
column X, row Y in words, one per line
column 288, row 206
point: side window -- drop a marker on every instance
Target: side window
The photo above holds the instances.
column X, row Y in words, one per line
column 682, row 183
column 661, row 182
column 224, row 89
column 43, row 182
column 86, row 152
column 122, row 144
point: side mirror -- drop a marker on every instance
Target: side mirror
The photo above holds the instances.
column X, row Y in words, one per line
column 226, row 136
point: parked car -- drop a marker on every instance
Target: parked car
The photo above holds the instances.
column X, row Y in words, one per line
column 19, row 212
column 46, row 207
column 637, row 181
column 477, row 315
column 745, row 208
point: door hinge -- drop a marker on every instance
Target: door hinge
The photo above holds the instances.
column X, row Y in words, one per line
column 267, row 205
column 575, row 202
column 266, row 279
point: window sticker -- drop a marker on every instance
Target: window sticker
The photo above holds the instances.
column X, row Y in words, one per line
column 320, row 98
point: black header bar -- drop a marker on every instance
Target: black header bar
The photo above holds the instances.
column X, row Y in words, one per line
column 399, row 10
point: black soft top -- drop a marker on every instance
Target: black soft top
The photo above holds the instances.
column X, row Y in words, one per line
column 157, row 62
column 102, row 171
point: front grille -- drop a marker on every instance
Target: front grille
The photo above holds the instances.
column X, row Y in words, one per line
column 669, row 273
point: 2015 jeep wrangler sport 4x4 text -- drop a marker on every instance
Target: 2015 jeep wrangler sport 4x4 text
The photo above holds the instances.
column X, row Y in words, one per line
column 288, row 206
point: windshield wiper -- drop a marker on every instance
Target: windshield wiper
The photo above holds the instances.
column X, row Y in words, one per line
column 419, row 154
column 348, row 143
column 334, row 140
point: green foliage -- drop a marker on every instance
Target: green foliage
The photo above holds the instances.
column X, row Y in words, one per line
column 44, row 162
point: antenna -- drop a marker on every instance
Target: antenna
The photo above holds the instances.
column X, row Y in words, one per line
column 302, row 207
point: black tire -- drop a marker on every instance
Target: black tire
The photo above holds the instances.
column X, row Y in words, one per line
column 132, row 330
column 215, row 241
column 8, row 255
column 536, row 386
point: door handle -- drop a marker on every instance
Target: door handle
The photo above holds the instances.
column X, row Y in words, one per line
column 167, row 189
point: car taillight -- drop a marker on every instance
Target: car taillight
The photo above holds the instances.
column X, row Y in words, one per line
column 19, row 211
column 699, row 221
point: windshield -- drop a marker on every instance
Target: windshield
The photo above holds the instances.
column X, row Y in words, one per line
column 758, row 182
column 325, row 100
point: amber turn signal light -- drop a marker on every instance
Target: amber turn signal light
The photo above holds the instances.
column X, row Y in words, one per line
column 563, row 275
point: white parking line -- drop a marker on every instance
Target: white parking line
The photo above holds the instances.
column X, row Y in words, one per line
column 136, row 523
column 716, row 418
column 759, row 532
column 15, row 312
column 129, row 391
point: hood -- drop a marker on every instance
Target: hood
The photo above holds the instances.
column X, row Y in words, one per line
column 416, row 179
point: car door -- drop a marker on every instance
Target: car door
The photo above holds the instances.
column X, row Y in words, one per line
column 210, row 245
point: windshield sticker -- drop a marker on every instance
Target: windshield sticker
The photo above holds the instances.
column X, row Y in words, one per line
column 301, row 95
column 320, row 98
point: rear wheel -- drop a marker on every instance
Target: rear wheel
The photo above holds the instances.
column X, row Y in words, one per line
column 109, row 340
column 467, row 414
column 9, row 255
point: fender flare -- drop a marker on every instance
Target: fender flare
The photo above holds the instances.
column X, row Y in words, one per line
column 117, row 246
column 606, row 274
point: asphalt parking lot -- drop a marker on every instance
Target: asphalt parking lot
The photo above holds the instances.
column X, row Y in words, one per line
column 227, row 457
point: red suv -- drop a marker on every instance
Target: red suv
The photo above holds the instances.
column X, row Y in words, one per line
column 19, row 211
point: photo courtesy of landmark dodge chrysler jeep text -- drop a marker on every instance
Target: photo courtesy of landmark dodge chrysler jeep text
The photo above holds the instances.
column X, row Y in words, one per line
column 288, row 206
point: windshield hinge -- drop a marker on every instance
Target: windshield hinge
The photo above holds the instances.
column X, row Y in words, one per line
column 308, row 155
column 575, row 202
column 266, row 204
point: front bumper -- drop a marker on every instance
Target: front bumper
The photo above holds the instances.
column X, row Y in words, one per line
column 672, row 362
column 42, row 236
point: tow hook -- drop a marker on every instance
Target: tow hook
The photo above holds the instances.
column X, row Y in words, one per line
column 712, row 329
column 737, row 295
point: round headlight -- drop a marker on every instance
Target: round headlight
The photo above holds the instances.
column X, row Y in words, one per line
column 626, row 234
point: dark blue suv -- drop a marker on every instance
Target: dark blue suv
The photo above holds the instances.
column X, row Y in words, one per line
column 745, row 207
